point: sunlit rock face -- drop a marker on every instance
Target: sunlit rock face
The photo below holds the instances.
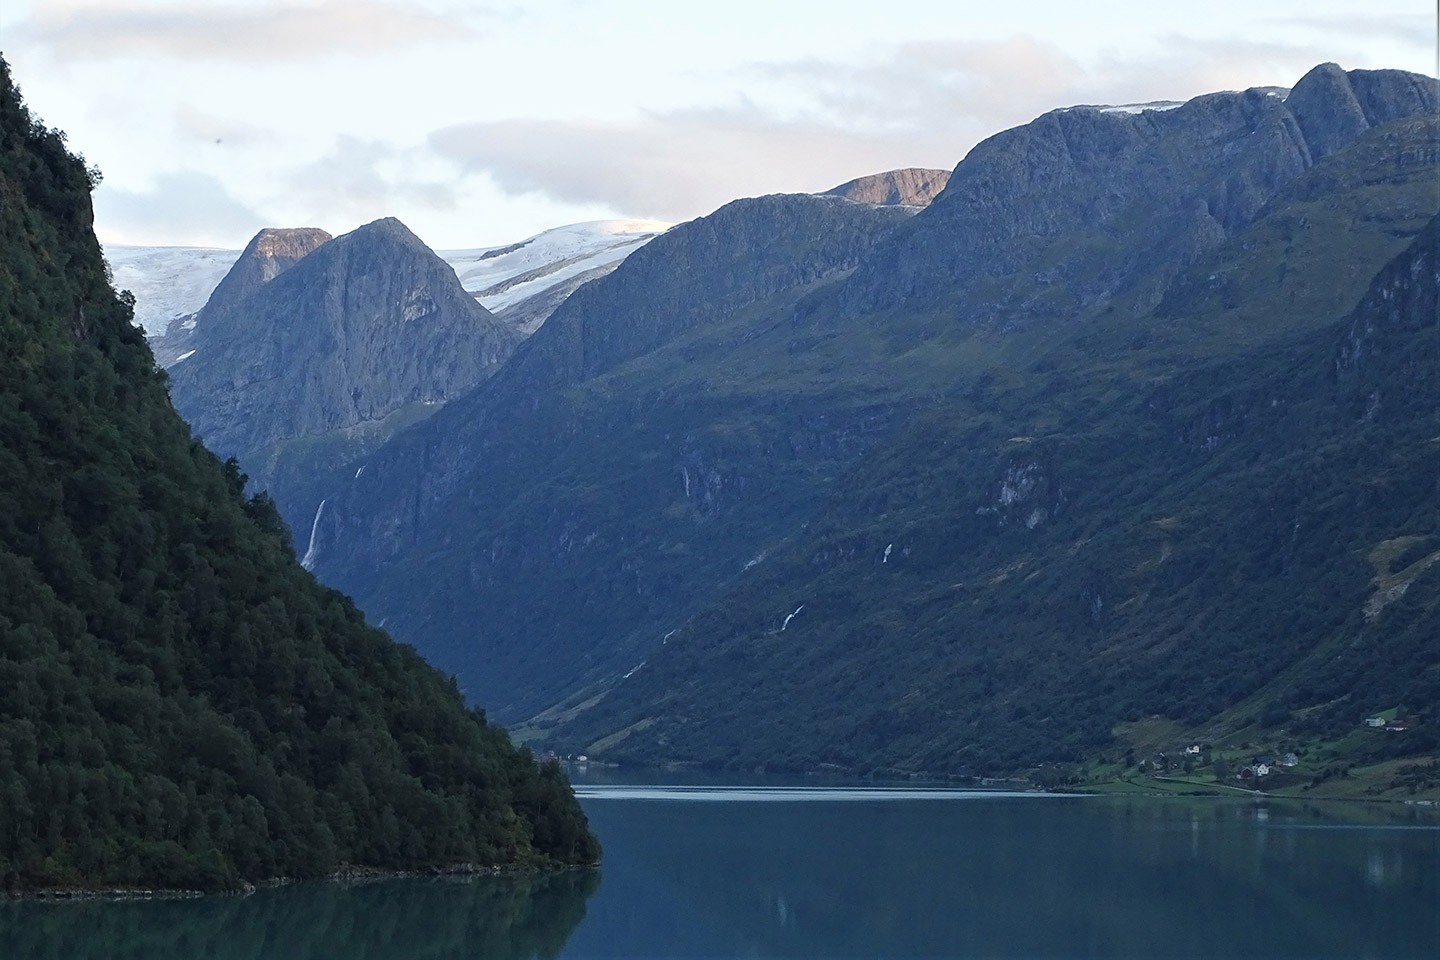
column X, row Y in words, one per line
column 908, row 187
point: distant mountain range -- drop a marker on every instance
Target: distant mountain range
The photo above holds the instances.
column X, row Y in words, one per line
column 1075, row 451
column 960, row 490
column 520, row 281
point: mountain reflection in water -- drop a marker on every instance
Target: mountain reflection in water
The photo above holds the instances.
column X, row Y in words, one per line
column 786, row 871
column 497, row 918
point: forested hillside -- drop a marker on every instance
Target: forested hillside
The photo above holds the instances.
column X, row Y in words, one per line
column 181, row 705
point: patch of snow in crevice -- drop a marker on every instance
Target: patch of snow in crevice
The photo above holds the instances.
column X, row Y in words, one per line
column 791, row 617
column 184, row 356
column 886, row 557
column 632, row 670
column 1126, row 108
column 1134, row 108
column 310, row 553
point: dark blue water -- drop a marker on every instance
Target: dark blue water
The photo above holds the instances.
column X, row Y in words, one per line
column 775, row 872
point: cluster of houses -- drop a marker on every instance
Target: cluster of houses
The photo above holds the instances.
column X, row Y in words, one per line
column 1263, row 765
column 550, row 756
column 1399, row 725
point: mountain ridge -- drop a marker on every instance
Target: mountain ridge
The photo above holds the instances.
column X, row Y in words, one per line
column 1192, row 174
column 669, row 464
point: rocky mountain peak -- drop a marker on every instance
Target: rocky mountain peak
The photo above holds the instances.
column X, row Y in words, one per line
column 909, row 187
column 1154, row 187
column 285, row 243
column 386, row 229
column 269, row 253
column 350, row 334
column 1332, row 107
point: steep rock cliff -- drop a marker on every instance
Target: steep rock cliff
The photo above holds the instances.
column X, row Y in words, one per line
column 296, row 371
column 909, row 187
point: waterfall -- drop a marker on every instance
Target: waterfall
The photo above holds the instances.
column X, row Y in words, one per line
column 309, row 560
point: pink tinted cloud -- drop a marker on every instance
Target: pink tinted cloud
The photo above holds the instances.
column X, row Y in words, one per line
column 275, row 30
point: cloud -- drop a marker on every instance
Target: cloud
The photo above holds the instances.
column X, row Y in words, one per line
column 917, row 104
column 366, row 179
column 935, row 84
column 270, row 31
column 180, row 208
column 201, row 127
column 1405, row 29
column 994, row 84
column 670, row 166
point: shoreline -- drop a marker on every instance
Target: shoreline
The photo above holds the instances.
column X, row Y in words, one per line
column 344, row 875
column 1012, row 782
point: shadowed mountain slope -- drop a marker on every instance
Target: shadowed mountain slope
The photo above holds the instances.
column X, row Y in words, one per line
column 769, row 495
column 496, row 472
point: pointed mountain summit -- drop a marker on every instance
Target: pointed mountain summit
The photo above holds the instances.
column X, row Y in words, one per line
column 907, row 187
column 360, row 335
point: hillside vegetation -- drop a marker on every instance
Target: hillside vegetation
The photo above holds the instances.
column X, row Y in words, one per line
column 183, row 706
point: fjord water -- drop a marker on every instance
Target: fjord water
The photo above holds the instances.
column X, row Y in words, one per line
column 711, row 872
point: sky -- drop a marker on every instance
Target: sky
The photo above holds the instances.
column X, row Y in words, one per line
column 482, row 123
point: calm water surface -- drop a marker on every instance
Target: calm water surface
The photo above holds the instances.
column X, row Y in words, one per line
column 790, row 872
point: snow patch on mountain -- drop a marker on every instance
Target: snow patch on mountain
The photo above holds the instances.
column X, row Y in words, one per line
column 1129, row 108
column 1162, row 105
column 501, row 277
column 169, row 283
column 172, row 283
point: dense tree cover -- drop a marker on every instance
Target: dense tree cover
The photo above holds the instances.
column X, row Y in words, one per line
column 181, row 704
